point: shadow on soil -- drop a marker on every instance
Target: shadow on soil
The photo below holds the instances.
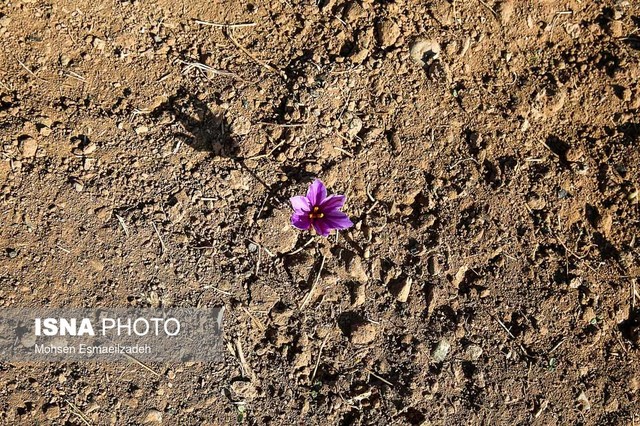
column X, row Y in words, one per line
column 206, row 131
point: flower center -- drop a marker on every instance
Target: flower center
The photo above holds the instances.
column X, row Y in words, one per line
column 315, row 214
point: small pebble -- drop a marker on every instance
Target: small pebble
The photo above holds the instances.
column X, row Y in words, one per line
column 98, row 43
column 153, row 416
column 29, row 147
column 588, row 314
column 65, row 60
column 89, row 149
column 403, row 289
column 441, row 351
column 355, row 125
column 472, row 352
column 395, row 141
column 424, row 50
column 141, row 130
column 583, row 402
column 575, row 282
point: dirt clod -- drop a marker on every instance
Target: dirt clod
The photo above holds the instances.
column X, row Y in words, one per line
column 52, row 412
column 363, row 333
column 359, row 295
column 434, row 266
column 278, row 234
column 244, row 390
column 240, row 126
column 616, row 28
column 354, row 11
column 505, row 10
column 387, row 32
column 355, row 270
column 29, row 146
column 535, row 202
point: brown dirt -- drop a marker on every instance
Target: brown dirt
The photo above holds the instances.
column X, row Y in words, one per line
column 505, row 173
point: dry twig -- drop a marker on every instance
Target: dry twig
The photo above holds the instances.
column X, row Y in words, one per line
column 250, row 55
column 315, row 284
column 218, row 25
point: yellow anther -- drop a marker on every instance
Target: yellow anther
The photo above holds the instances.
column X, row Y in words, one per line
column 315, row 215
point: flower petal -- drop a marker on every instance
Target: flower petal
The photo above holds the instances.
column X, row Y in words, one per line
column 301, row 221
column 317, row 192
column 321, row 227
column 300, row 204
column 337, row 220
column 333, row 202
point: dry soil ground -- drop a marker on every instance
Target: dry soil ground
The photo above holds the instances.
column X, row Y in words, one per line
column 489, row 152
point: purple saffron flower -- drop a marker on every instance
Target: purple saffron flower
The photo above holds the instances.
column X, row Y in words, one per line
column 319, row 211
